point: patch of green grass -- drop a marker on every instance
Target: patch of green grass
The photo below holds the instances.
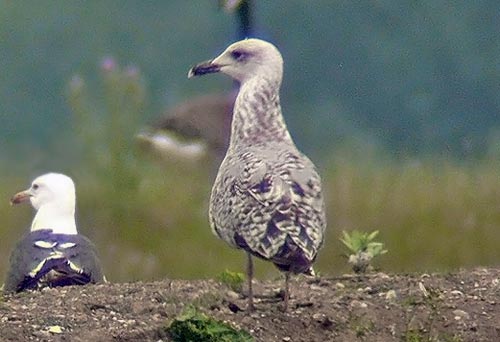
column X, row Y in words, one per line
column 411, row 301
column 450, row 338
column 361, row 326
column 435, row 199
column 234, row 280
column 194, row 326
column 414, row 336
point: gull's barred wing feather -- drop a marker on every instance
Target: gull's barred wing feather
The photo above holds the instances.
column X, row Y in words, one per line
column 274, row 208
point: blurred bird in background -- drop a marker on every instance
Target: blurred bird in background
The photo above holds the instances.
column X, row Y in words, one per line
column 200, row 127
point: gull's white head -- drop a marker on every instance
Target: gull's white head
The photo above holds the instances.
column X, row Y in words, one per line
column 53, row 196
column 243, row 60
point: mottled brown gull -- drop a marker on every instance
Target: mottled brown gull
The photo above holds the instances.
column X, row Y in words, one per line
column 267, row 196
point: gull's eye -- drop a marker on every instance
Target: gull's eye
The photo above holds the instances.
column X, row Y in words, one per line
column 35, row 186
column 238, row 55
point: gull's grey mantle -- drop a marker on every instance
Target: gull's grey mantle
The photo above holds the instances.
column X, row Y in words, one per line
column 43, row 258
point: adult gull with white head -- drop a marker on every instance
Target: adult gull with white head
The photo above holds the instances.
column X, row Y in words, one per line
column 53, row 253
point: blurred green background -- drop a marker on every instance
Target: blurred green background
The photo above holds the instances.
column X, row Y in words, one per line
column 397, row 102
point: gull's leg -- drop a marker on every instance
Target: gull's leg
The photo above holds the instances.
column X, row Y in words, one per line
column 250, row 307
column 287, row 291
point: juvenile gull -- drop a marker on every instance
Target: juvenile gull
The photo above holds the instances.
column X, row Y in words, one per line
column 52, row 253
column 267, row 196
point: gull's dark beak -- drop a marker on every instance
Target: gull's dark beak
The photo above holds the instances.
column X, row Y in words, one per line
column 20, row 197
column 207, row 67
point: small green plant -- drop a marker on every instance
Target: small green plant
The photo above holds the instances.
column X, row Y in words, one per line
column 234, row 280
column 361, row 325
column 362, row 249
column 193, row 325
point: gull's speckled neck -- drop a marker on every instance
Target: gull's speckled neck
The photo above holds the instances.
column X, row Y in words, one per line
column 257, row 114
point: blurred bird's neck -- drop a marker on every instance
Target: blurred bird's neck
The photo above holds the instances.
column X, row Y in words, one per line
column 55, row 218
column 257, row 114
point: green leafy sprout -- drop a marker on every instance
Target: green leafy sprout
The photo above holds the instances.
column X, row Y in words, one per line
column 193, row 325
column 362, row 248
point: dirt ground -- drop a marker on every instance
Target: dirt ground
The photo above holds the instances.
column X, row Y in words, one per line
column 454, row 307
